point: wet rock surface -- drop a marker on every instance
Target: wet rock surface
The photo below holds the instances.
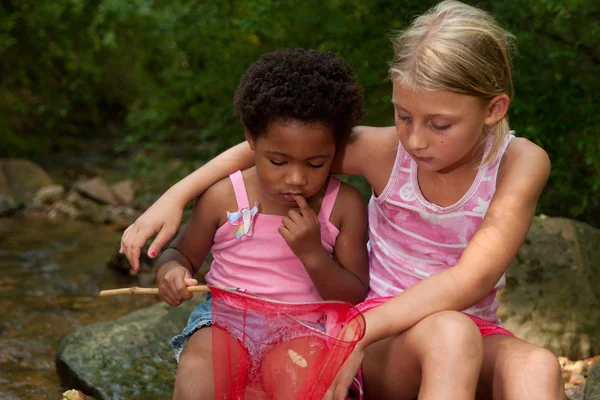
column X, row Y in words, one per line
column 128, row 358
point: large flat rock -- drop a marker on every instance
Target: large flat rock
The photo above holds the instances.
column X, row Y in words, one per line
column 127, row 358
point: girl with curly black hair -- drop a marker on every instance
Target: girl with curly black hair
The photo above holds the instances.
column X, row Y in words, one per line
column 284, row 229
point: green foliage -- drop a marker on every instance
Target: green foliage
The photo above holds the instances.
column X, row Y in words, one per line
column 556, row 105
column 215, row 42
column 168, row 70
column 68, row 65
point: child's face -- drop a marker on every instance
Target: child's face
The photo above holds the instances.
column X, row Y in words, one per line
column 442, row 130
column 293, row 157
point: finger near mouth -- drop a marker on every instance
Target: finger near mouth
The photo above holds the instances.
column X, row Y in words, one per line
column 290, row 197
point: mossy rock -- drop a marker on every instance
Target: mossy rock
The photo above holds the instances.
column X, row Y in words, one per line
column 552, row 294
column 127, row 358
column 592, row 385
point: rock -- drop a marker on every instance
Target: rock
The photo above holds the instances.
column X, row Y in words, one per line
column 124, row 191
column 96, row 214
column 118, row 262
column 121, row 217
column 78, row 172
column 592, row 385
column 97, row 189
column 60, row 209
column 5, row 189
column 128, row 358
column 7, row 205
column 73, row 395
column 574, row 374
column 576, row 392
column 552, row 295
column 88, row 210
column 48, row 195
column 75, row 199
column 20, row 179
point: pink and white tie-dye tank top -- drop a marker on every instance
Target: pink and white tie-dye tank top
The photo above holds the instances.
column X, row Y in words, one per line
column 411, row 238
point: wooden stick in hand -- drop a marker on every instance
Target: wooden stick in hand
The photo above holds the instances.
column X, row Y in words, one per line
column 140, row 290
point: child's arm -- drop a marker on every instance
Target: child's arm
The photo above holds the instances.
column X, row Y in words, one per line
column 186, row 254
column 164, row 216
column 345, row 276
column 369, row 152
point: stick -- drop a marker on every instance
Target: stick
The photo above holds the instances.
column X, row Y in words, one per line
column 140, row 290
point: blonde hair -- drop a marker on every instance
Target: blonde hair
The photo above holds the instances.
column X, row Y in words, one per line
column 458, row 48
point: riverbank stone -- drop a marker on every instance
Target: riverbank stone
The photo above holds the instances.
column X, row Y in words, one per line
column 127, row 358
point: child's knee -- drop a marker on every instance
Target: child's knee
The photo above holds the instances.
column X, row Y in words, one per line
column 534, row 371
column 542, row 366
column 454, row 334
column 194, row 379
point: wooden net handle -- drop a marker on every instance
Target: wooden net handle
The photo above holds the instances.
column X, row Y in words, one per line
column 140, row 290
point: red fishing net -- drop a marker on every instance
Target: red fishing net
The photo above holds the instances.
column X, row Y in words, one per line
column 268, row 350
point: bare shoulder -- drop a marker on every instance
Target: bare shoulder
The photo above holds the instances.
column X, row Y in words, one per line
column 349, row 204
column 524, row 161
column 369, row 152
column 374, row 139
column 521, row 147
column 217, row 200
column 375, row 131
column 349, row 195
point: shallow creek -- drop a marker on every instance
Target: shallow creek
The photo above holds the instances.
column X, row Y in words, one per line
column 50, row 275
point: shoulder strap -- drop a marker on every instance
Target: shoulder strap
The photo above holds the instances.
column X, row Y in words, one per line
column 333, row 188
column 495, row 165
column 239, row 188
column 507, row 140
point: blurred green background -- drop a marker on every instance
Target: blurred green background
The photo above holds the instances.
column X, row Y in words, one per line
column 152, row 74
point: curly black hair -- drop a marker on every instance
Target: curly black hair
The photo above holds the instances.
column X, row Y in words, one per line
column 299, row 84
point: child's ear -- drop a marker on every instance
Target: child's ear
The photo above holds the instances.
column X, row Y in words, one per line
column 497, row 109
column 250, row 139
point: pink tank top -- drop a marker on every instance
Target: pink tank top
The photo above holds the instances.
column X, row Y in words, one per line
column 411, row 238
column 250, row 253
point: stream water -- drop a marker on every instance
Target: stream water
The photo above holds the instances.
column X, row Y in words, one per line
column 50, row 275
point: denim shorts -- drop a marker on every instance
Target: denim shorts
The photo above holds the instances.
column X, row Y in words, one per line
column 254, row 331
column 200, row 318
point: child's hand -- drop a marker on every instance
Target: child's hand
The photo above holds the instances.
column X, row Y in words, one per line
column 172, row 288
column 163, row 217
column 339, row 388
column 301, row 230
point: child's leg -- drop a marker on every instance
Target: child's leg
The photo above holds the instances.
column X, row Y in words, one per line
column 438, row 358
column 513, row 369
column 289, row 370
column 194, row 378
